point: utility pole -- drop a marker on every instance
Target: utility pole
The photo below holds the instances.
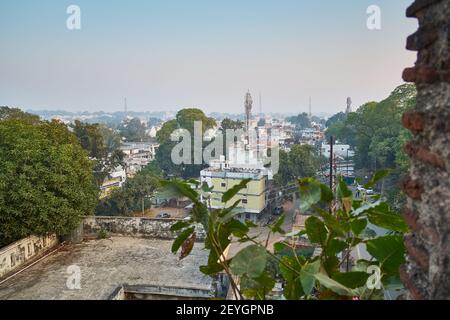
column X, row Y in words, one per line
column 331, row 162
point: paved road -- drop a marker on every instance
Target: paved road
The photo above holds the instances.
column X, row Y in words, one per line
column 262, row 231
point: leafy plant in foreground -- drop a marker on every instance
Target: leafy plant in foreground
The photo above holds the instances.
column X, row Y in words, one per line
column 339, row 226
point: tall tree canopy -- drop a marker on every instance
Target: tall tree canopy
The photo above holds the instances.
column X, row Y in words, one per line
column 133, row 130
column 46, row 181
column 301, row 121
column 228, row 123
column 102, row 145
column 302, row 161
column 184, row 120
column 376, row 133
column 136, row 190
column 7, row 113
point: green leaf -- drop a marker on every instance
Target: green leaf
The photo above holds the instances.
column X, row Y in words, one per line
column 316, row 231
column 257, row 287
column 307, row 274
column 335, row 246
column 230, row 193
column 366, row 207
column 326, row 195
column 213, row 267
column 310, row 193
column 287, row 265
column 181, row 188
column 333, row 285
column 293, row 289
column 383, row 217
column 250, row 224
column 229, row 212
column 379, row 175
column 331, row 222
column 237, row 228
column 280, row 247
column 331, row 264
column 206, row 188
column 357, row 226
column 389, row 251
column 181, row 239
column 351, row 280
column 250, row 261
column 342, row 190
column 276, row 228
column 179, row 225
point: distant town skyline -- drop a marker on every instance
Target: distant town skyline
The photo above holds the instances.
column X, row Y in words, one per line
column 168, row 55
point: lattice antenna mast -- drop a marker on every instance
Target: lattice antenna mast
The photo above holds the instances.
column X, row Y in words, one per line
column 248, row 109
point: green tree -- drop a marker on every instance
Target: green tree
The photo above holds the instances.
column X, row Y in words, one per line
column 7, row 113
column 133, row 130
column 338, row 117
column 102, row 144
column 135, row 192
column 301, row 121
column 301, row 161
column 377, row 135
column 337, row 232
column 46, row 181
column 228, row 123
column 184, row 120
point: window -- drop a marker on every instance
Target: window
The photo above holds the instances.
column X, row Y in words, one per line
column 223, row 184
column 244, row 201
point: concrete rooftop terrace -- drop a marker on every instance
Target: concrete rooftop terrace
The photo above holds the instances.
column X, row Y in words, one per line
column 105, row 265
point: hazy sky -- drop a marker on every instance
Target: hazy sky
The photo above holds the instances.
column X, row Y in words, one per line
column 169, row 54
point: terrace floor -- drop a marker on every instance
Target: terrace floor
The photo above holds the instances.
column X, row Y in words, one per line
column 105, row 265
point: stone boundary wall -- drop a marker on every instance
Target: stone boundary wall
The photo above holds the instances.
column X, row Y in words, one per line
column 17, row 254
column 134, row 226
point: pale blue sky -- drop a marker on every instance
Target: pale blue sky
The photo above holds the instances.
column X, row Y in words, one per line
column 169, row 54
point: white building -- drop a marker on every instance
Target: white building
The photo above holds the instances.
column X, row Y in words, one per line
column 342, row 150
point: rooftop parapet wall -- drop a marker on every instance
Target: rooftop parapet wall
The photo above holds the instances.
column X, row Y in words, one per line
column 19, row 253
column 135, row 227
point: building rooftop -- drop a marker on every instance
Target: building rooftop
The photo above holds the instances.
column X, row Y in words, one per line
column 105, row 266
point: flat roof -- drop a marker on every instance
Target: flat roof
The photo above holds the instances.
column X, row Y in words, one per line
column 105, row 265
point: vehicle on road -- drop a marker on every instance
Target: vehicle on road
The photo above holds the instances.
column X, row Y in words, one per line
column 163, row 215
column 278, row 211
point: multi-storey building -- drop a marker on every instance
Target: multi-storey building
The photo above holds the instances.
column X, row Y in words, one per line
column 222, row 177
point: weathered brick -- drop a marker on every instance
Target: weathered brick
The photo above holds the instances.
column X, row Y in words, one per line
column 424, row 154
column 409, row 284
column 423, row 38
column 419, row 5
column 414, row 121
column 409, row 75
column 412, row 188
column 417, row 253
column 411, row 219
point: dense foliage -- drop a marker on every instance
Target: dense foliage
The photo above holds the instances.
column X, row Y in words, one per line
column 303, row 275
column 135, row 193
column 46, row 181
column 133, row 130
column 301, row 161
column 184, row 120
column 301, row 121
column 376, row 133
column 102, row 144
